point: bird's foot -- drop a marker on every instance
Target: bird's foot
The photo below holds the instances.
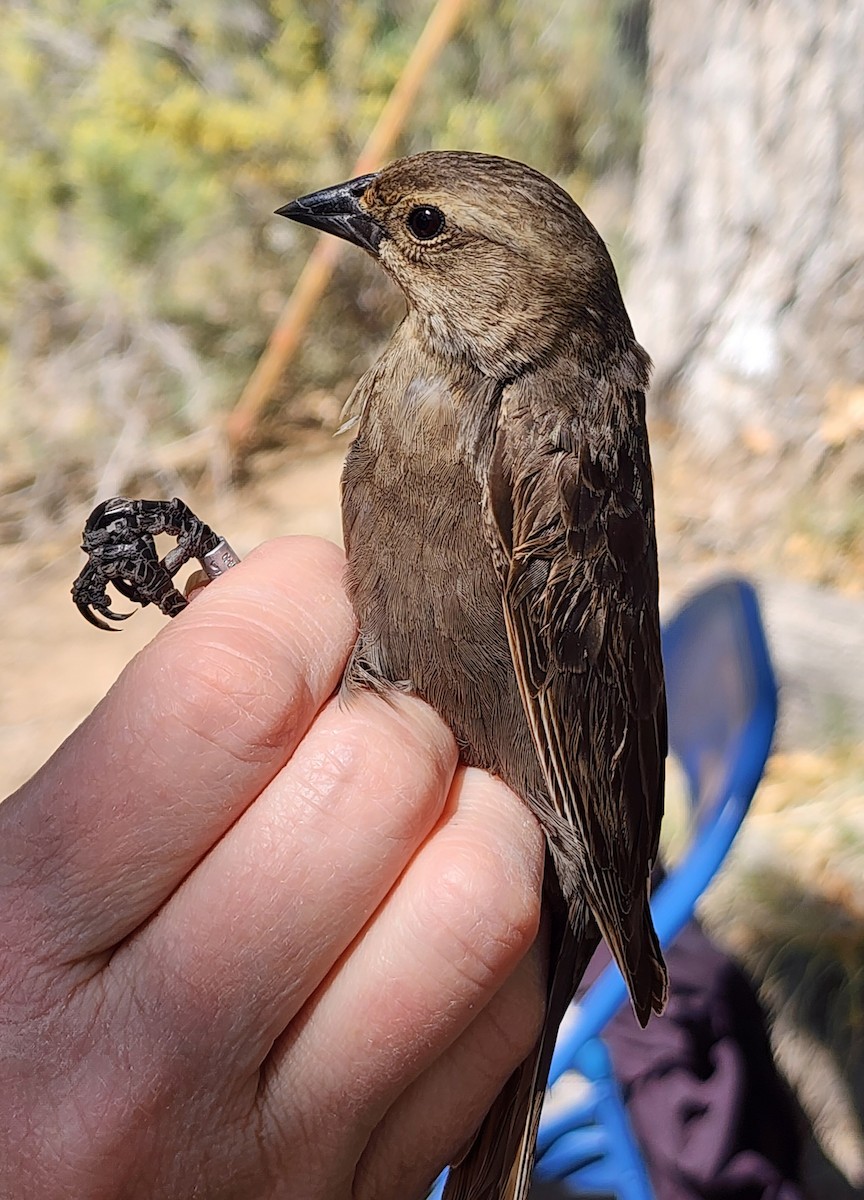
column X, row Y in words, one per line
column 119, row 541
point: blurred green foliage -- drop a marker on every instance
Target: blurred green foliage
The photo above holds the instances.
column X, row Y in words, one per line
column 144, row 145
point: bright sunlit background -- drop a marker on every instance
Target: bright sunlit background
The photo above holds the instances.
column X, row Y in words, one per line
column 143, row 149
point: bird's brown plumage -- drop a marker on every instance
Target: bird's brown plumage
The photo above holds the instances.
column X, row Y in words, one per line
column 498, row 517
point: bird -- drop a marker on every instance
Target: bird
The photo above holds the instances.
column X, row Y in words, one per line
column 498, row 517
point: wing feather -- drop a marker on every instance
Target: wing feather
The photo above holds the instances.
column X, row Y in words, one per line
column 570, row 513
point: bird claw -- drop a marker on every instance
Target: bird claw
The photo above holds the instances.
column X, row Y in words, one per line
column 89, row 607
column 119, row 541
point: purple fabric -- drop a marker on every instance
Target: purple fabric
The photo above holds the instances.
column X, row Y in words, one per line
column 713, row 1117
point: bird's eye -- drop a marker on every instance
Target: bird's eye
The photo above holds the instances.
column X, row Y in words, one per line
column 425, row 222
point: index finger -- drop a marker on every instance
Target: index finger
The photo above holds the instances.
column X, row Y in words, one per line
column 195, row 727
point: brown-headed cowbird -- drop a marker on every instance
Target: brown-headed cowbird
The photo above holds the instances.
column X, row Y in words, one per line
column 499, row 524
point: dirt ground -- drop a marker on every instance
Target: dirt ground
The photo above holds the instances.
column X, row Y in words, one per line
column 54, row 667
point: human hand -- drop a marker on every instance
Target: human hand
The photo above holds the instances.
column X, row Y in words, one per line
column 255, row 943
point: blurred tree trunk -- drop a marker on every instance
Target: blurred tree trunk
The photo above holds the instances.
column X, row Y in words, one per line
column 748, row 281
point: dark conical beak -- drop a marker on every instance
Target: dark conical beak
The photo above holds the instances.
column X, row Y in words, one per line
column 337, row 210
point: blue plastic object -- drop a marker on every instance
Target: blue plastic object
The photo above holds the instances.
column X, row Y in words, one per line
column 722, row 699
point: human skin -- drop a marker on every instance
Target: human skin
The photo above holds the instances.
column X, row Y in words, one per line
column 256, row 942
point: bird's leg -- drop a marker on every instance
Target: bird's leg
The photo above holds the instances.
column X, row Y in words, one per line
column 120, row 547
column 194, row 538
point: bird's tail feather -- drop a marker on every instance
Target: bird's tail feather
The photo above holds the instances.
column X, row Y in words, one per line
column 657, row 989
column 500, row 1161
column 640, row 960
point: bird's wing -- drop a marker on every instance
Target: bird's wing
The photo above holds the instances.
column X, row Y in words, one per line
column 569, row 509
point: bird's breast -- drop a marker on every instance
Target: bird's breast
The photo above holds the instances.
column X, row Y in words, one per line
column 422, row 579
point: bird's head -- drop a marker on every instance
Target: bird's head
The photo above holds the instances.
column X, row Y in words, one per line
column 498, row 264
